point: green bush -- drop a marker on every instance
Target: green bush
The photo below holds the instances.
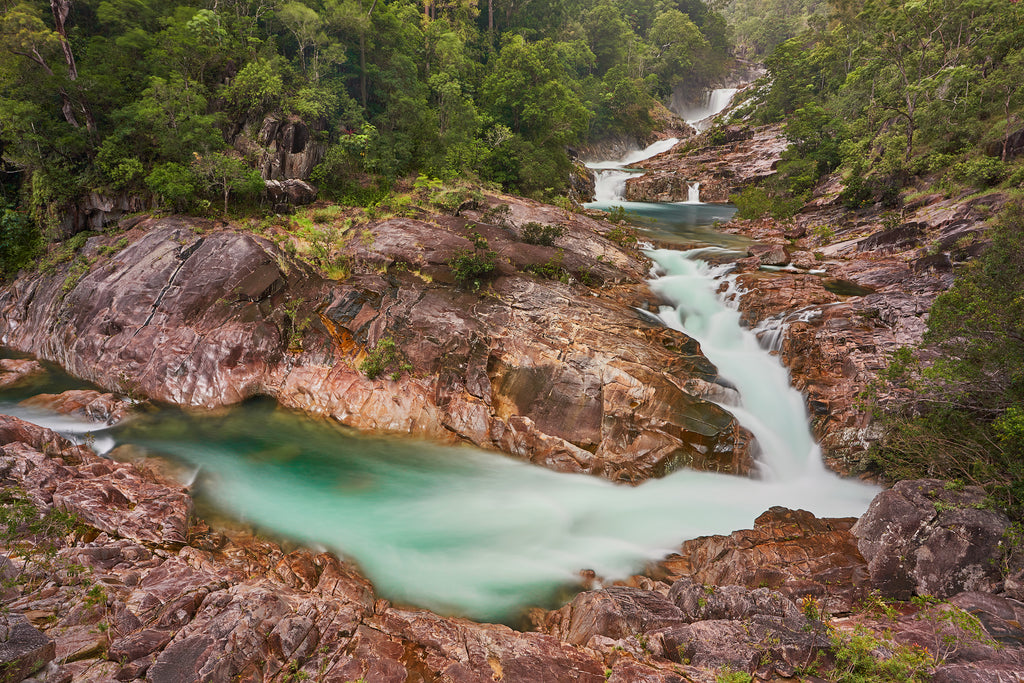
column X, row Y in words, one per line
column 550, row 269
column 472, row 267
column 538, row 233
column 980, row 172
column 20, row 241
column 959, row 416
column 383, row 357
column 860, row 657
column 624, row 237
column 175, row 184
column 757, row 202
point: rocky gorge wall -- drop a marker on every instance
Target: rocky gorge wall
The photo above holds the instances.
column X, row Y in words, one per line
column 563, row 374
column 860, row 283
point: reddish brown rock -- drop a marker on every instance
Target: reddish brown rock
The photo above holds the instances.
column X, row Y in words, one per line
column 566, row 376
column 13, row 371
column 85, row 403
column 769, row 254
column 246, row 612
column 790, row 551
column 720, row 169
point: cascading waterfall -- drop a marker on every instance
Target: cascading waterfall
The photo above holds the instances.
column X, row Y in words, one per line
column 771, row 332
column 610, row 176
column 700, row 114
column 463, row 531
column 693, row 193
column 771, row 409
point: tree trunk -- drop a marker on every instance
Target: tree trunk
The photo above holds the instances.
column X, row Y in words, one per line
column 61, row 9
column 362, row 68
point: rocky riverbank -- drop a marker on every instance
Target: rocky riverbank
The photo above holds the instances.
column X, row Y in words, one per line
column 132, row 587
column 860, row 283
column 549, row 361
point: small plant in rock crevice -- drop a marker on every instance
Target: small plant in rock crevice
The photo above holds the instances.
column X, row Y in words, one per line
column 551, row 269
column 384, row 356
column 472, row 267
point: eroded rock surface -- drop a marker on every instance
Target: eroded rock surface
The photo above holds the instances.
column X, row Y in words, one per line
column 87, row 404
column 116, row 601
column 562, row 374
column 14, row 371
column 921, row 537
column 744, row 156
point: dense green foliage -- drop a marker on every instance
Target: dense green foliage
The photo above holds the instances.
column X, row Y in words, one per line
column 139, row 96
column 758, row 26
column 961, row 408
column 896, row 91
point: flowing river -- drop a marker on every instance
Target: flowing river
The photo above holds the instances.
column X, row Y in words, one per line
column 469, row 532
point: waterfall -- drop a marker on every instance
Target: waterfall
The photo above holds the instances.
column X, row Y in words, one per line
column 699, row 114
column 610, row 176
column 463, row 531
column 693, row 193
column 771, row 332
column 770, row 408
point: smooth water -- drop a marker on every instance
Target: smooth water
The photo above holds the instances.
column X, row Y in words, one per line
column 673, row 222
column 457, row 530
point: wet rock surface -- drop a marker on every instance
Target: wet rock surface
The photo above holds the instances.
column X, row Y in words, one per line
column 861, row 284
column 87, row 404
column 563, row 374
column 15, row 371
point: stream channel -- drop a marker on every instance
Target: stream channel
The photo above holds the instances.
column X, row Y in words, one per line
column 475, row 533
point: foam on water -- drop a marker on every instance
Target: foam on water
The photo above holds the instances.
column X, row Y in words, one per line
column 610, row 176
column 464, row 531
column 76, row 430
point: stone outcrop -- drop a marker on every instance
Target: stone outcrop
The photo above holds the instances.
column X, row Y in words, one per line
column 287, row 148
column 24, row 649
column 96, row 211
column 790, row 551
column 291, row 192
column 87, row 404
column 15, row 371
column 721, row 167
column 562, row 374
column 835, row 329
column 921, row 537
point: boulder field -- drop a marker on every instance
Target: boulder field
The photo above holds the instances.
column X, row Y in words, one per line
column 558, row 368
column 133, row 587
